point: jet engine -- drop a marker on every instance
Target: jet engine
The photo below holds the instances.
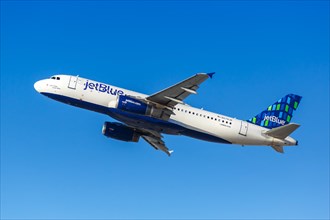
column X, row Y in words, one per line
column 120, row 132
column 139, row 106
column 130, row 104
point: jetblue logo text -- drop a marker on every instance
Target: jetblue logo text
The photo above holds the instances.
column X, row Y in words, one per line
column 274, row 119
column 103, row 88
column 131, row 101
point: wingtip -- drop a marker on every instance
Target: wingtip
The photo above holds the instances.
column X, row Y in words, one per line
column 210, row 74
column 170, row 152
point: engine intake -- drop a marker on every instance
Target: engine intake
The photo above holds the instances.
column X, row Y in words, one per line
column 120, row 132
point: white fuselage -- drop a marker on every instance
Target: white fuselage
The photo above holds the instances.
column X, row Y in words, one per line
column 98, row 97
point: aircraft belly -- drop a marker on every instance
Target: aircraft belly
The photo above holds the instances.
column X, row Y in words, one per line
column 146, row 122
column 141, row 121
column 166, row 127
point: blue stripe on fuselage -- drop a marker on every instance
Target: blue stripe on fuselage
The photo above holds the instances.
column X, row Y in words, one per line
column 139, row 121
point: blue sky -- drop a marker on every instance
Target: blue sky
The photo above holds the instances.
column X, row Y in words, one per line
column 55, row 163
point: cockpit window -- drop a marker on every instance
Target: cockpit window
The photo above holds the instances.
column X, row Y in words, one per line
column 55, row 77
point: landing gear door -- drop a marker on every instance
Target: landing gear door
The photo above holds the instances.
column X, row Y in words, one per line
column 73, row 82
column 244, row 128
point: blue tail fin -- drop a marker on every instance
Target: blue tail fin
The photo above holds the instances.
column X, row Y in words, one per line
column 278, row 114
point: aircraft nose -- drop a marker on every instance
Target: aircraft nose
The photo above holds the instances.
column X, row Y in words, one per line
column 37, row 86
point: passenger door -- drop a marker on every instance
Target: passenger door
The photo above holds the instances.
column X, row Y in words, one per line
column 244, row 128
column 73, row 82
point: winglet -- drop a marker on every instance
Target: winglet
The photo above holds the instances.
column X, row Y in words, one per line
column 169, row 152
column 210, row 74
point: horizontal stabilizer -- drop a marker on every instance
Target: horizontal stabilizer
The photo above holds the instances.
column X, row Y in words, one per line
column 278, row 148
column 283, row 131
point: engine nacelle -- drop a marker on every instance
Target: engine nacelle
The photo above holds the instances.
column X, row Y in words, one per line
column 120, row 132
column 137, row 106
column 130, row 104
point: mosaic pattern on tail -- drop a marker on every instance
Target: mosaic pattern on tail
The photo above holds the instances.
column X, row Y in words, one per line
column 278, row 114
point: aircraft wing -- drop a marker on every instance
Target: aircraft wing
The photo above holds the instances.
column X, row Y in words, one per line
column 155, row 140
column 177, row 93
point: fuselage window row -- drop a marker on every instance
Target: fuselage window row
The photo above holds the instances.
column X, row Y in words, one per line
column 201, row 115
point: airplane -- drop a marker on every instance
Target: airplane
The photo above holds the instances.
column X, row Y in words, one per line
column 165, row 112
